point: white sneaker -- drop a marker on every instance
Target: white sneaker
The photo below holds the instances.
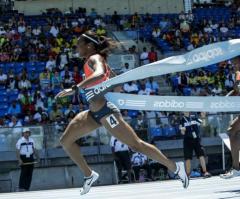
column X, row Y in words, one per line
column 88, row 181
column 181, row 172
column 231, row 174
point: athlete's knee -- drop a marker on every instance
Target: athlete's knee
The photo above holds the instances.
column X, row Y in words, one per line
column 65, row 139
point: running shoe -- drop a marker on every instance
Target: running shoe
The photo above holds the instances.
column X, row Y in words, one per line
column 88, row 181
column 181, row 172
column 231, row 174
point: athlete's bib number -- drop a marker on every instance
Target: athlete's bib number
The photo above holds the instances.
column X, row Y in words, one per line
column 112, row 121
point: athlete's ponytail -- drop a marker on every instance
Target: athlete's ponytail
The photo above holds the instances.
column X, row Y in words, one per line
column 103, row 45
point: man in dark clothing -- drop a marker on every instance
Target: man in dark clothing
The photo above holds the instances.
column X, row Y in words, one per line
column 189, row 127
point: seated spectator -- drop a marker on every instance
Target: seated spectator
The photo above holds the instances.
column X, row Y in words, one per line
column 67, row 80
column 156, row 32
column 70, row 109
column 208, row 29
column 144, row 90
column 202, row 79
column 101, row 31
column 98, row 21
column 14, row 109
column 50, row 100
column 125, row 68
column 33, row 77
column 54, row 30
column 214, row 25
column 3, row 78
column 56, row 81
column 37, row 117
column 21, row 28
column 139, row 122
column 51, row 63
column 14, row 122
column 26, row 102
column 182, row 16
column 59, row 124
column 37, row 31
column 229, row 83
column 56, row 111
column 131, row 87
column 62, row 59
column 183, row 82
column 144, row 57
column 45, row 79
column 76, row 75
column 66, row 70
column 189, row 16
column 24, row 83
column 45, row 119
column 39, row 101
column 210, row 78
column 184, row 27
column 11, row 81
column 70, row 116
column 192, row 80
column 152, row 55
column 224, row 29
column 216, row 90
column 153, row 85
column 126, row 117
column 139, row 161
column 17, row 53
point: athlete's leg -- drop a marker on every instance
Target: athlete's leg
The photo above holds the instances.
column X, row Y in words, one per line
column 235, row 147
column 80, row 126
column 122, row 131
column 234, row 134
column 188, row 167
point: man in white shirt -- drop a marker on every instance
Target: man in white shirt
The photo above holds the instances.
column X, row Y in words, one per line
column 25, row 151
column 144, row 91
column 139, row 161
column 122, row 158
column 208, row 29
column 15, row 124
column 224, row 29
column 97, row 22
column 54, row 31
column 21, row 28
column 130, row 87
column 3, row 78
column 36, row 31
column 51, row 63
column 144, row 57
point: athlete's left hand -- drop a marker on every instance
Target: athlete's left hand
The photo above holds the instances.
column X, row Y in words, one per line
column 64, row 93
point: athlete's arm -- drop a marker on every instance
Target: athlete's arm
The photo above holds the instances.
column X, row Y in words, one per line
column 98, row 67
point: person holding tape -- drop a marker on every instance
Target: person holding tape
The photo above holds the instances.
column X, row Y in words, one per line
column 103, row 113
column 234, row 135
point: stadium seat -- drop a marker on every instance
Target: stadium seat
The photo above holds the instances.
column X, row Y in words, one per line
column 156, row 132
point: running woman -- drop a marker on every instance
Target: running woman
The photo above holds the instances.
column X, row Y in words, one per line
column 234, row 135
column 103, row 113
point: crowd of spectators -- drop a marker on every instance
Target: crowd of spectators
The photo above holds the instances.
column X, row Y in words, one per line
column 55, row 45
column 52, row 43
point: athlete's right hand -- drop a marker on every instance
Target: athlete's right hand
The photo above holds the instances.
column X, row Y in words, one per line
column 64, row 93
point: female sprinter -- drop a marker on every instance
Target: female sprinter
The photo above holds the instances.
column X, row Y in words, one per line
column 102, row 112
